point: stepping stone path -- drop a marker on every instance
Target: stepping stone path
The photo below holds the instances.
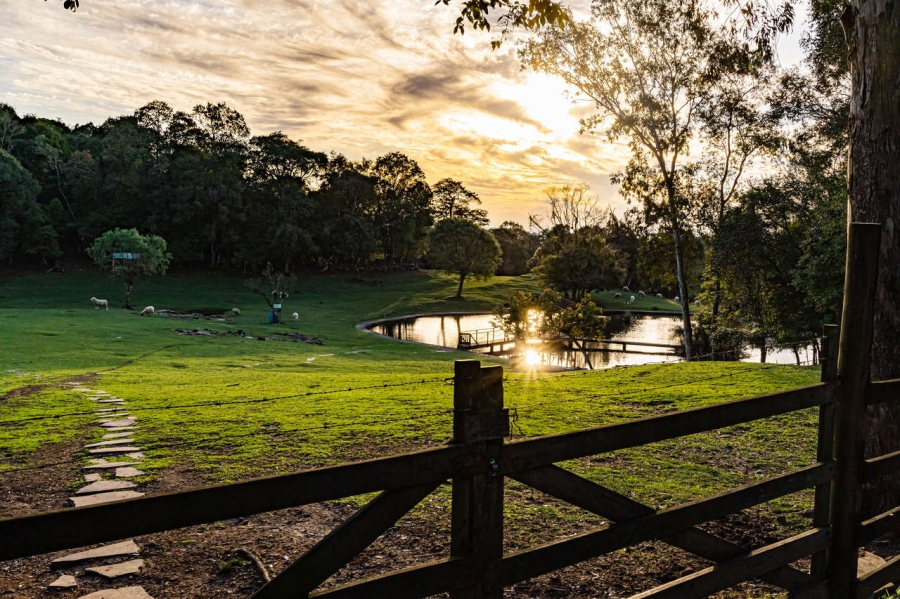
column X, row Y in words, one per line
column 116, row 570
column 105, row 485
column 119, row 427
column 66, row 581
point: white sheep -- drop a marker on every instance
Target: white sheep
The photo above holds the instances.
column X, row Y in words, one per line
column 235, row 312
column 677, row 299
column 659, row 295
column 99, row 302
column 697, row 301
column 642, row 294
column 617, row 296
column 295, row 316
column 148, row 311
column 625, row 288
column 631, row 300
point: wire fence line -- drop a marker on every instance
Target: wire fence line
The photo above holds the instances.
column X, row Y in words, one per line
column 429, row 417
column 423, row 417
column 214, row 402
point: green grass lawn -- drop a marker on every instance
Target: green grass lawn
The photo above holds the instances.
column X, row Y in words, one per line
column 232, row 407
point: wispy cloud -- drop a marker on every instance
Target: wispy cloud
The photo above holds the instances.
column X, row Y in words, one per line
column 361, row 78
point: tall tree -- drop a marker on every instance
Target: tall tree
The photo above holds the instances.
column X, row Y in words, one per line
column 402, row 214
column 649, row 67
column 573, row 257
column 518, row 247
column 451, row 199
column 462, row 247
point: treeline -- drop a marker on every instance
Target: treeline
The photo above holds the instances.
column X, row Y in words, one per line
column 219, row 196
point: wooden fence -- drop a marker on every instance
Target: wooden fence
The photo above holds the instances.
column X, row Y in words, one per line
column 478, row 461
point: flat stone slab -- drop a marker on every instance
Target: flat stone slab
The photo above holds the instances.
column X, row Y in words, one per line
column 116, row 435
column 102, row 486
column 118, row 429
column 104, row 497
column 123, row 593
column 92, row 478
column 117, row 402
column 104, row 464
column 118, row 423
column 115, row 570
column 109, row 410
column 128, row 472
column 136, row 455
column 128, row 547
column 64, row 582
column 111, row 442
column 109, row 450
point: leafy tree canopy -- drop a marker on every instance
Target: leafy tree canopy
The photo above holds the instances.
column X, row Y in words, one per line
column 130, row 255
column 461, row 247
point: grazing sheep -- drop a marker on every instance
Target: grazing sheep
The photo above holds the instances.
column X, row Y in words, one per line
column 642, row 294
column 659, row 295
column 677, row 299
column 625, row 288
column 148, row 311
column 99, row 302
column 617, row 296
column 235, row 312
column 697, row 301
column 631, row 300
column 295, row 316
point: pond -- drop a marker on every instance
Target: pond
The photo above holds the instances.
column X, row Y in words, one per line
column 444, row 329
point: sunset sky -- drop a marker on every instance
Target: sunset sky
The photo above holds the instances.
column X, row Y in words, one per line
column 362, row 78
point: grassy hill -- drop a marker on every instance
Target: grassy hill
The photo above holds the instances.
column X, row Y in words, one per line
column 228, row 407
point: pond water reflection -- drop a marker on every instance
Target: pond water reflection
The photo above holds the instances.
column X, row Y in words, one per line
column 444, row 330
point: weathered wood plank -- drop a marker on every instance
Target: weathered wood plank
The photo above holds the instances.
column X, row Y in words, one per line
column 875, row 468
column 883, row 392
column 854, row 366
column 344, row 543
column 31, row 535
column 747, row 567
column 877, row 526
column 873, row 580
column 556, row 448
column 825, row 444
column 604, row 502
column 477, row 509
column 528, row 563
column 410, row 583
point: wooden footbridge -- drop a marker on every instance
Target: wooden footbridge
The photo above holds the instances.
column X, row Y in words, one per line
column 491, row 338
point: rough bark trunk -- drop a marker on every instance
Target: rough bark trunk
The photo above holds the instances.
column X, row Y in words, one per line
column 462, row 277
column 682, row 290
column 872, row 28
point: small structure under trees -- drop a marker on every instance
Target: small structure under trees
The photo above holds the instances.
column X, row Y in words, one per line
column 129, row 256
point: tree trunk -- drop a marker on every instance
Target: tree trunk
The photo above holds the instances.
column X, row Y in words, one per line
column 872, row 28
column 682, row 290
column 128, row 286
column 717, row 291
column 462, row 277
column 762, row 353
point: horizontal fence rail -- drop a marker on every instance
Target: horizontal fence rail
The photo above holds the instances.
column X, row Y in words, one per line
column 557, row 448
column 30, row 535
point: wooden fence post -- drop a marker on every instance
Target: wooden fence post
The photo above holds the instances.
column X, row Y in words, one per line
column 854, row 361
column 477, row 509
column 828, row 358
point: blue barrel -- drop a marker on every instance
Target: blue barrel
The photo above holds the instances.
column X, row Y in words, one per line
column 271, row 317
